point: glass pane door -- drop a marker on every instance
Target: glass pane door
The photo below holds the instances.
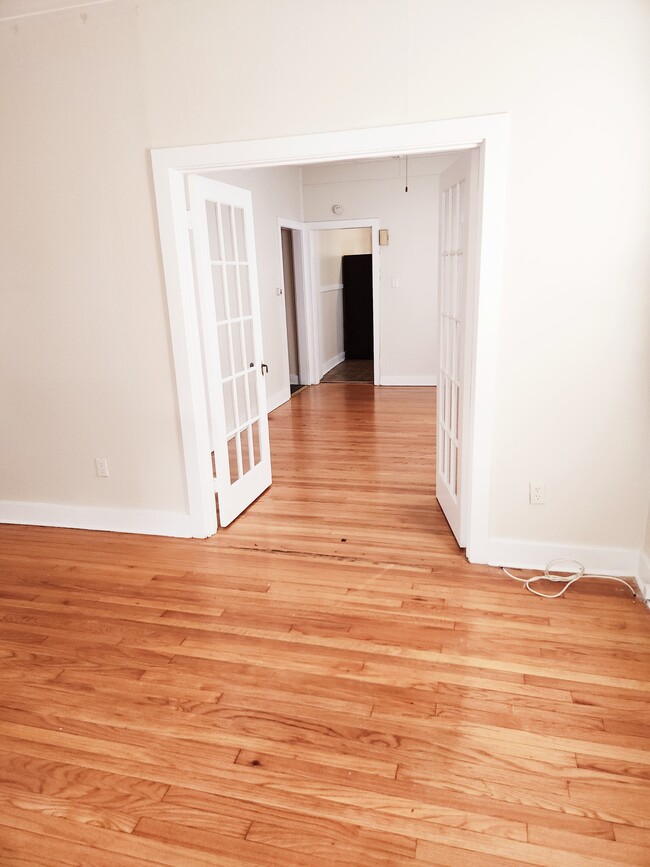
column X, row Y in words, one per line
column 222, row 220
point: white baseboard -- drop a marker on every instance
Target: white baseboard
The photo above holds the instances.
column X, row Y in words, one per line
column 622, row 562
column 408, row 379
column 643, row 575
column 147, row 521
column 294, row 379
column 331, row 362
column 273, row 401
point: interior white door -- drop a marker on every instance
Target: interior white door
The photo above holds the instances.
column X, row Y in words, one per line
column 226, row 270
column 455, row 186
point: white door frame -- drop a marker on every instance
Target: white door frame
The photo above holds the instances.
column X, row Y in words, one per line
column 373, row 225
column 301, row 284
column 169, row 165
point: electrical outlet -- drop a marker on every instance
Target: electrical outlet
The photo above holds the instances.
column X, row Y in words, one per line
column 101, row 467
column 536, row 493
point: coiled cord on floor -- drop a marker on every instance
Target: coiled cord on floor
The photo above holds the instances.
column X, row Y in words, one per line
column 567, row 580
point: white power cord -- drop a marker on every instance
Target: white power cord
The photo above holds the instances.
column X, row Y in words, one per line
column 567, row 580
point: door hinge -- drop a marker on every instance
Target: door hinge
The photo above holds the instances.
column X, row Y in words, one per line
column 188, row 219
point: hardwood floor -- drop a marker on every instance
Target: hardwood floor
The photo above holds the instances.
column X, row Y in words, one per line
column 327, row 681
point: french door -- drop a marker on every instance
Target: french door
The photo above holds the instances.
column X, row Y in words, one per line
column 226, row 271
column 455, row 186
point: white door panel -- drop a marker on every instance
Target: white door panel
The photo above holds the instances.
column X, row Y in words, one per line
column 455, row 201
column 224, row 246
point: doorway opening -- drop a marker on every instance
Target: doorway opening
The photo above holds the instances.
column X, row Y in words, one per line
column 342, row 266
column 171, row 166
column 313, row 256
column 432, row 253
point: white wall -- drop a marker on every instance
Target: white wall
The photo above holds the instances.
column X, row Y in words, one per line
column 276, row 193
column 85, row 359
column 328, row 248
column 376, row 188
column 86, row 362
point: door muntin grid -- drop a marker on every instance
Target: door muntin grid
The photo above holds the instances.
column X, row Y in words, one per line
column 236, row 336
column 226, row 280
column 449, row 385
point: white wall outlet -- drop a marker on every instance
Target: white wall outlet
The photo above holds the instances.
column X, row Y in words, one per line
column 101, row 467
column 536, row 493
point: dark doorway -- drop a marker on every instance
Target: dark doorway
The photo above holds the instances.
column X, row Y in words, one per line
column 357, row 307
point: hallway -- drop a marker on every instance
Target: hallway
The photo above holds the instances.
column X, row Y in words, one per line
column 356, row 462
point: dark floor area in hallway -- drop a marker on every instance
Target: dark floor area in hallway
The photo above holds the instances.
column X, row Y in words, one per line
column 353, row 370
